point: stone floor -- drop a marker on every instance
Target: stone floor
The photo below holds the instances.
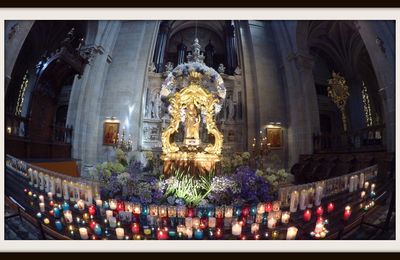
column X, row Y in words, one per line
column 17, row 230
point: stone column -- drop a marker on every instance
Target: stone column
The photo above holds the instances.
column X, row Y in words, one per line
column 230, row 47
column 161, row 46
column 85, row 101
column 15, row 35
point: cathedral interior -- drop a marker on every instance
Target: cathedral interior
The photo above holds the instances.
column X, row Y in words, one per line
column 103, row 112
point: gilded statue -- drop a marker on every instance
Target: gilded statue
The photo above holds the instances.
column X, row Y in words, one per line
column 192, row 123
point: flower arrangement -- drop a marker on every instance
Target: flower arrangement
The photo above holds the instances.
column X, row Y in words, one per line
column 178, row 79
column 276, row 178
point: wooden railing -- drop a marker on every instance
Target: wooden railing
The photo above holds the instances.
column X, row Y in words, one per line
column 366, row 139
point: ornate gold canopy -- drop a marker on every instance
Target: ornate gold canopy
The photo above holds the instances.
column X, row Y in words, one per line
column 192, row 100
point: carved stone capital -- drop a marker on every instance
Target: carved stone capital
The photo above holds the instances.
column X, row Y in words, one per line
column 89, row 52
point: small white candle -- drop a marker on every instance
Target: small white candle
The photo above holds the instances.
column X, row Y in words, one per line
column 99, row 203
column 30, row 172
column 113, row 204
column 109, row 214
column 120, row 233
column 41, row 198
column 366, row 185
column 362, row 194
column 68, row 216
column 189, row 222
column 41, row 206
column 196, row 222
column 236, row 229
column 271, row 223
column 362, row 179
column 212, row 222
column 291, row 233
column 255, row 227
column 189, row 232
column 318, row 228
column 260, row 208
column 372, row 187
column 84, row 233
column 50, row 195
column 294, row 201
column 303, row 198
column 285, row 217
column 318, row 195
column 81, row 204
column 228, row 211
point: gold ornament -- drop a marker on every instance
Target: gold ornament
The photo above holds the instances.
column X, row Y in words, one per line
column 338, row 91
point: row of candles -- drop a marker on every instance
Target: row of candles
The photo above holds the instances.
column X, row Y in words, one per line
column 217, row 218
column 68, row 190
column 191, row 227
column 312, row 197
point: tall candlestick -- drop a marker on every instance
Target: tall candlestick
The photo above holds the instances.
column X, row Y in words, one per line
column 310, row 197
column 294, row 201
column 84, row 233
column 291, row 233
column 318, row 195
column 366, row 185
column 362, row 180
column 351, row 184
column 372, row 187
column 303, row 200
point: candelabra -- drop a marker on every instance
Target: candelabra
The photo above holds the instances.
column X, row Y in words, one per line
column 123, row 143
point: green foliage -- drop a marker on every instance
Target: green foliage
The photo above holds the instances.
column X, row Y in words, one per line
column 276, row 178
column 188, row 188
column 121, row 157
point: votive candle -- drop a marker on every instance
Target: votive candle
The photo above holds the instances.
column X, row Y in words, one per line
column 285, row 217
column 84, row 233
column 291, row 233
column 120, row 232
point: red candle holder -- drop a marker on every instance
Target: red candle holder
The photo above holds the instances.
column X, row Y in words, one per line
column 245, row 211
column 190, row 212
column 92, row 224
column 219, row 223
column 347, row 213
column 203, row 222
column 331, row 207
column 319, row 211
column 307, row 215
column 135, row 228
column 268, row 207
column 162, row 234
column 120, row 206
column 92, row 210
column 51, row 203
column 164, row 222
column 218, row 233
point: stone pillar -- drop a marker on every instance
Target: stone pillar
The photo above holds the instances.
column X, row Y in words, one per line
column 15, row 35
column 85, row 101
column 230, row 47
column 161, row 46
column 355, row 107
column 209, row 49
column 181, row 53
